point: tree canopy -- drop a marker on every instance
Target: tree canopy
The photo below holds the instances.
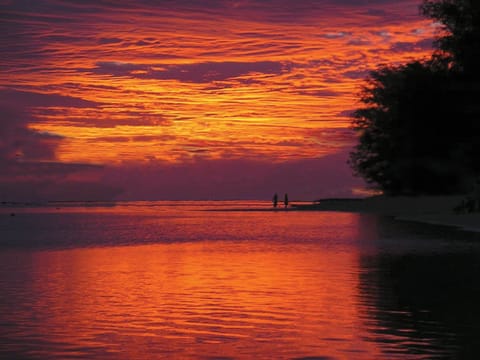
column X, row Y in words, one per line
column 419, row 127
column 460, row 41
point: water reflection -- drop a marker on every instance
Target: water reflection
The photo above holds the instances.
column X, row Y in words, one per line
column 236, row 285
column 190, row 299
column 419, row 290
column 427, row 301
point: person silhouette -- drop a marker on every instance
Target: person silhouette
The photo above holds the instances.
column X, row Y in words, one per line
column 285, row 200
column 275, row 200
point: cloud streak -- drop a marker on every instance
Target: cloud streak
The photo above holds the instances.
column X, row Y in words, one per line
column 178, row 82
column 195, row 73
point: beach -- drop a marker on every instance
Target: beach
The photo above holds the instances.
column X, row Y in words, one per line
column 427, row 209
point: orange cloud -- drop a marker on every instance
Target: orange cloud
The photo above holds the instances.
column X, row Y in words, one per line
column 213, row 79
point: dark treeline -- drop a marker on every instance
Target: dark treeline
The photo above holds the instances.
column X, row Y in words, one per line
column 419, row 125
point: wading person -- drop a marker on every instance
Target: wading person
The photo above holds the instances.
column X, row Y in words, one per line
column 275, row 200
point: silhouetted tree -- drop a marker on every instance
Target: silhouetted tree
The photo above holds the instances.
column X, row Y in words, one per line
column 405, row 131
column 419, row 124
column 460, row 40
column 459, row 47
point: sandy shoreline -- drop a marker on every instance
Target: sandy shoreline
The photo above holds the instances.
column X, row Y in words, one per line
column 427, row 209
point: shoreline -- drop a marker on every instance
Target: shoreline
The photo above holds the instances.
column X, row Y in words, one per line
column 436, row 210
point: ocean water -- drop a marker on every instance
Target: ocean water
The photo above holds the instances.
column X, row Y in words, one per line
column 231, row 280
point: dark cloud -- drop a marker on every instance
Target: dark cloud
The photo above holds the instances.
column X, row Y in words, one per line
column 18, row 141
column 104, row 41
column 48, row 169
column 356, row 74
column 55, row 7
column 36, row 176
column 27, row 181
column 29, row 170
column 24, row 99
column 97, row 118
column 235, row 179
column 146, row 120
column 196, row 73
column 53, row 10
column 34, row 145
column 41, row 190
column 201, row 178
column 412, row 46
column 137, row 138
column 376, row 12
column 319, row 93
column 144, row 42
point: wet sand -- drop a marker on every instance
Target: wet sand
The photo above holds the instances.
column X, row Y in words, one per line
column 427, row 209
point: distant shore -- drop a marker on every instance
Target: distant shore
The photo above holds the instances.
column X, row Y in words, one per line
column 427, row 209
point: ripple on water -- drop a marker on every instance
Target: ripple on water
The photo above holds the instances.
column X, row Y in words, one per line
column 238, row 285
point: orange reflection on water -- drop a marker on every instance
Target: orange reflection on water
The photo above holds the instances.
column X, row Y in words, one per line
column 226, row 284
column 197, row 299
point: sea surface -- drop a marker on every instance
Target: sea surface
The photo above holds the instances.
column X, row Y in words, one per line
column 232, row 280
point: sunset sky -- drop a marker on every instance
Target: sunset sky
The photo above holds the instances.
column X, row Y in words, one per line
column 185, row 99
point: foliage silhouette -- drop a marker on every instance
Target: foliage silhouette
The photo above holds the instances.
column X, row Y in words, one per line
column 419, row 126
column 460, row 41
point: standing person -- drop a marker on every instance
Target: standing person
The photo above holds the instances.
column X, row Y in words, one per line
column 275, row 200
column 285, row 200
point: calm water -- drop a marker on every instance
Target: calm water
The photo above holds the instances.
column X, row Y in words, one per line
column 170, row 280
